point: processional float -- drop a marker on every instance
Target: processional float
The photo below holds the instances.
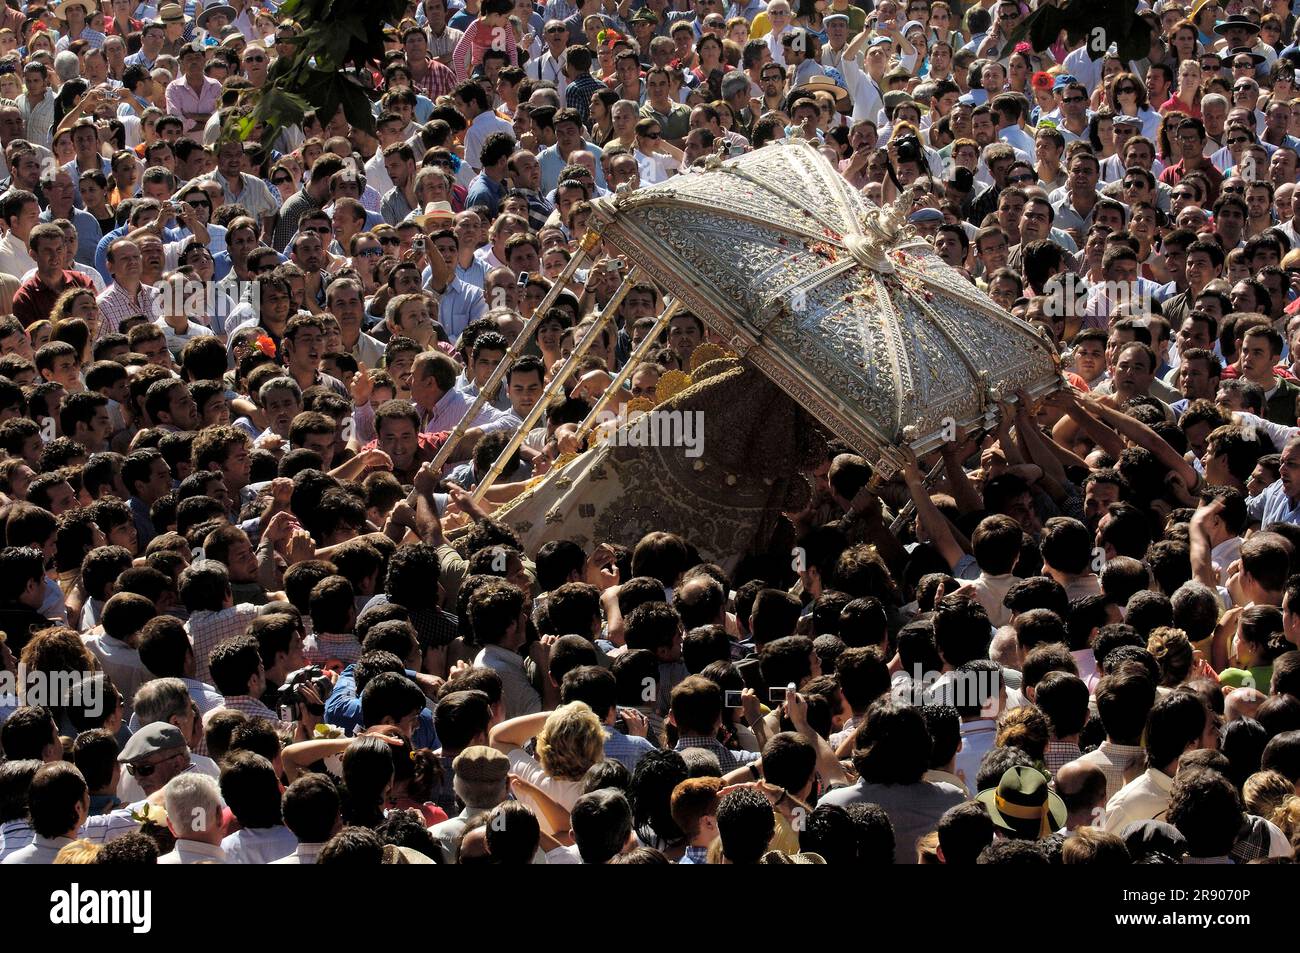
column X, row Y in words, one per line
column 838, row 319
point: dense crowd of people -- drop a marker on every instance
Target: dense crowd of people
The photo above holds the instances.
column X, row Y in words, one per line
column 261, row 399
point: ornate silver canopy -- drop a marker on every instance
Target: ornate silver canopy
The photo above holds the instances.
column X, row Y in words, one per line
column 838, row 301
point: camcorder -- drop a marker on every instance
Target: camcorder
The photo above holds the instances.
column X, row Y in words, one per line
column 291, row 692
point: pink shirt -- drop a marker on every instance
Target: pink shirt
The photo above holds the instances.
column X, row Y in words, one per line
column 469, row 51
column 182, row 99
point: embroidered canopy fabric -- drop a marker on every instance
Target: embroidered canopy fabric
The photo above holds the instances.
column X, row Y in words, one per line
column 726, row 501
column 837, row 301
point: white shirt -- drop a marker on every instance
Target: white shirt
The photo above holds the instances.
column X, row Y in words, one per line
column 302, row 854
column 976, row 741
column 1019, row 139
column 14, row 258
column 194, row 852
column 376, row 174
column 655, row 168
column 14, row 836
column 564, row 855
column 1224, row 555
column 129, row 790
column 517, row 691
column 990, row 591
column 484, row 125
column 121, row 663
column 42, row 850
column 259, row 845
column 1142, row 799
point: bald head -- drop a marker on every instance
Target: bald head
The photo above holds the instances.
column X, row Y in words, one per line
column 1242, row 703
column 1083, row 789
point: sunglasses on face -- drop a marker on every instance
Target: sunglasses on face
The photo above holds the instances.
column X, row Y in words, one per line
column 1120, row 91
column 281, row 180
column 319, row 229
column 390, row 240
column 1022, row 178
column 370, row 252
column 1134, row 184
column 1075, row 99
column 1238, row 141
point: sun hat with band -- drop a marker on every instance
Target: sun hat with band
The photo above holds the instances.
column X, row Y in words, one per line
column 1023, row 804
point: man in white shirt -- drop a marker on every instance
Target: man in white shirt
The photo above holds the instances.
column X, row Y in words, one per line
column 251, row 788
column 58, row 793
column 501, row 625
column 194, row 816
column 311, row 812
column 1220, row 527
column 471, row 102
column 1010, row 117
column 481, row 782
column 20, row 213
column 124, row 614
column 1178, row 722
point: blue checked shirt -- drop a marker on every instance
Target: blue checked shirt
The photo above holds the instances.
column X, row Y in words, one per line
column 627, row 749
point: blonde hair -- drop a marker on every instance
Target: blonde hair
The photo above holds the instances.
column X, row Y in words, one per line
column 1265, row 792
column 1287, row 817
column 1173, row 651
column 571, row 741
column 78, row 852
column 927, row 849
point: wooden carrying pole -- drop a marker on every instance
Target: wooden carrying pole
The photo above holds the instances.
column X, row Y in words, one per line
column 562, row 374
column 589, row 241
column 624, row 375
